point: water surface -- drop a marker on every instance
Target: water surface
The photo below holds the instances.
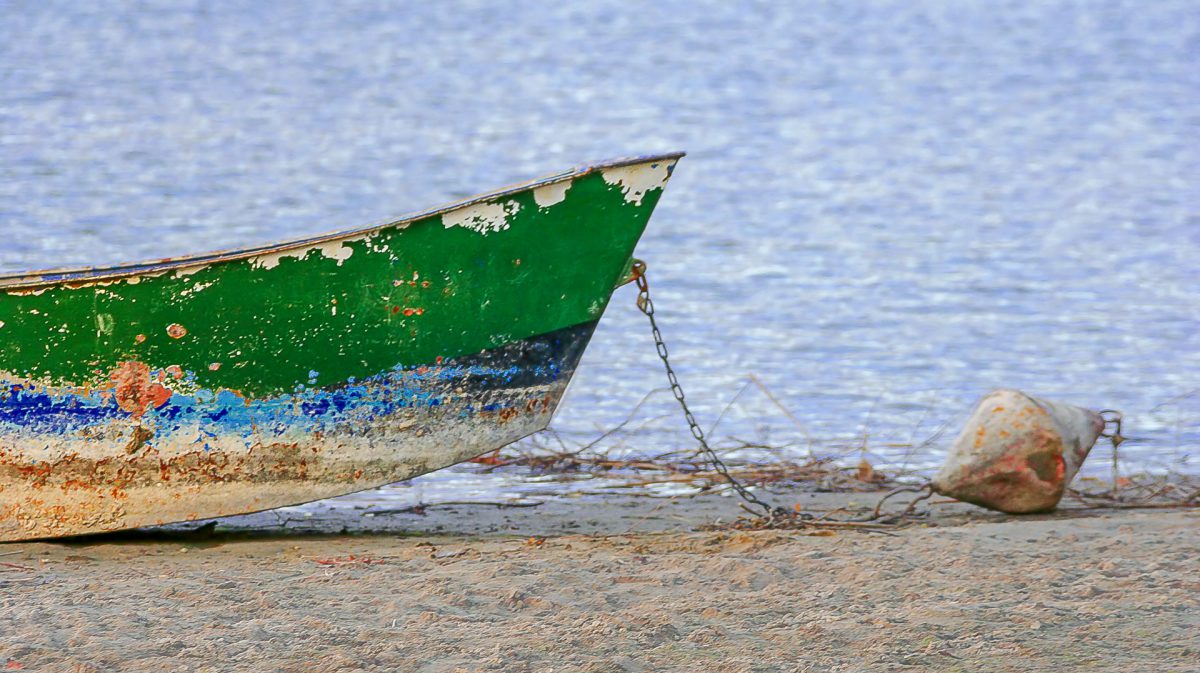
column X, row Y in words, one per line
column 889, row 208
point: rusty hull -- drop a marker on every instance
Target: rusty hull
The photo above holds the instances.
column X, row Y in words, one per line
column 239, row 381
column 167, row 463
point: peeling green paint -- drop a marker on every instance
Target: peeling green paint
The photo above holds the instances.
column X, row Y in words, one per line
column 459, row 281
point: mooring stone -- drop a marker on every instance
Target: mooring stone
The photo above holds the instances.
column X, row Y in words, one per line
column 1017, row 453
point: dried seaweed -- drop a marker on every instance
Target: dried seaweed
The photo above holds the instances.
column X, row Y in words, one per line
column 839, row 465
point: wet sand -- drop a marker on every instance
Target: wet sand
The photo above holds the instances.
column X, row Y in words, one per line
column 618, row 584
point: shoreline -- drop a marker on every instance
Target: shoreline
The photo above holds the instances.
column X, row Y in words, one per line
column 614, row 584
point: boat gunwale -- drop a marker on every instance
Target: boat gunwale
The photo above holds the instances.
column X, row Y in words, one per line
column 39, row 278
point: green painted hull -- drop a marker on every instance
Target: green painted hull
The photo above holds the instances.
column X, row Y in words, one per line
column 311, row 346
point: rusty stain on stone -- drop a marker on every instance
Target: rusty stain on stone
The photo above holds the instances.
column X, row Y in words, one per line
column 1018, row 453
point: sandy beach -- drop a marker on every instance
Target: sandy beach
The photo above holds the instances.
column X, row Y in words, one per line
column 615, row 585
column 255, row 254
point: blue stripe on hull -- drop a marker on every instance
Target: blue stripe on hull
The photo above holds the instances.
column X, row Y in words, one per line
column 75, row 462
column 463, row 383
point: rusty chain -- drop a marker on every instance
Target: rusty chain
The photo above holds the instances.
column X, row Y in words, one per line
column 1113, row 418
column 646, row 305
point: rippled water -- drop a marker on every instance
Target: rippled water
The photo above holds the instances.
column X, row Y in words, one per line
column 888, row 209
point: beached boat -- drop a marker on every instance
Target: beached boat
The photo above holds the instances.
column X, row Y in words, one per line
column 233, row 382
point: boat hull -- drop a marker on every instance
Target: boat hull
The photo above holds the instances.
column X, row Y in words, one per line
column 242, row 381
column 286, row 449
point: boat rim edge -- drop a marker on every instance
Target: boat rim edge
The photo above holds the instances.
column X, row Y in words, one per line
column 55, row 276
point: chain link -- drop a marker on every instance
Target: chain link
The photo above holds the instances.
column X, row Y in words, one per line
column 1113, row 418
column 647, row 306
